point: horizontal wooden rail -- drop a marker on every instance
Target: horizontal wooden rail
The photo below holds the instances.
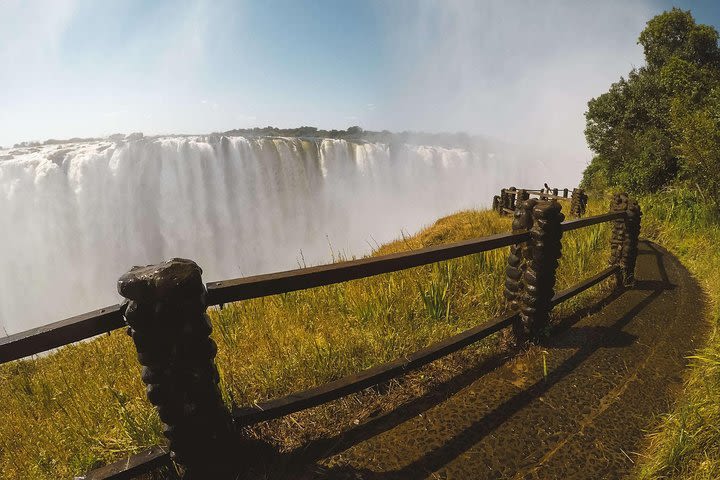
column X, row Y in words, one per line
column 537, row 192
column 106, row 319
column 282, row 282
column 374, row 376
column 133, row 466
column 313, row 397
column 586, row 222
column 582, row 286
column 61, row 333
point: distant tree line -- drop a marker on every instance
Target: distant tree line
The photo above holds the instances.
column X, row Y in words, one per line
column 356, row 133
column 660, row 126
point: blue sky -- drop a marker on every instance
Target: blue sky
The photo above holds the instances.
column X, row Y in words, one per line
column 522, row 71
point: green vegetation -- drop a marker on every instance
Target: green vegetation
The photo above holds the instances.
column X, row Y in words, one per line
column 85, row 404
column 357, row 134
column 687, row 443
column 661, row 125
column 656, row 135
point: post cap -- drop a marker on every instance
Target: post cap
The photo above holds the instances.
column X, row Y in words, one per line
column 175, row 278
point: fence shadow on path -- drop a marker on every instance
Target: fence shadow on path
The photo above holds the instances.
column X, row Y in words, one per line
column 305, row 462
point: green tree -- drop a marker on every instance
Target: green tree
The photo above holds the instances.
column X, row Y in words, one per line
column 661, row 125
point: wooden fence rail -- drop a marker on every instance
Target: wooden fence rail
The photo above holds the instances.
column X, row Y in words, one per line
column 505, row 203
column 178, row 284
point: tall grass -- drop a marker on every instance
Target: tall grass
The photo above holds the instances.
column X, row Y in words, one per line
column 687, row 443
column 85, row 404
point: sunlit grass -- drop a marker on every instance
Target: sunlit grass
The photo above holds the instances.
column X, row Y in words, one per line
column 687, row 443
column 85, row 405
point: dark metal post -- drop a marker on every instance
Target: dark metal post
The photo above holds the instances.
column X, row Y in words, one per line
column 520, row 254
column 565, row 192
column 625, row 234
column 578, row 202
column 555, row 192
column 171, row 332
column 539, row 277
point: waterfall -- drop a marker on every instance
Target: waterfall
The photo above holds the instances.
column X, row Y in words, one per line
column 77, row 216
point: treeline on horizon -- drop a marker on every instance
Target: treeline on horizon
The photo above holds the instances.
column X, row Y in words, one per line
column 356, row 133
column 659, row 128
column 353, row 133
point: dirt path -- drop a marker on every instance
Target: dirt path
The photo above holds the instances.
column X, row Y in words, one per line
column 608, row 377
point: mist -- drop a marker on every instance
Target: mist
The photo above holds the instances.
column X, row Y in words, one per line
column 521, row 71
column 516, row 75
column 83, row 213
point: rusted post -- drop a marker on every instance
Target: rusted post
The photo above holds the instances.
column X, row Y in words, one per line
column 171, row 331
column 539, row 276
column 496, row 205
column 520, row 253
column 624, row 239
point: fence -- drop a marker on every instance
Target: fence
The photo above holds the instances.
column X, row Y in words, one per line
column 166, row 318
column 509, row 197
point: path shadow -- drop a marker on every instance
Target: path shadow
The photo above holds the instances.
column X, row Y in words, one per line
column 302, row 463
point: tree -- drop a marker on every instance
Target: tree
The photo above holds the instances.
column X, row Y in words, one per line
column 661, row 125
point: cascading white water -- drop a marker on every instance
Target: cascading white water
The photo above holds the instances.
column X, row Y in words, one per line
column 76, row 216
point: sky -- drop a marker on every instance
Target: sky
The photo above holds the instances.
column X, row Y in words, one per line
column 521, row 71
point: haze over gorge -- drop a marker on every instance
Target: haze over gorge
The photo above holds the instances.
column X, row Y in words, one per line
column 81, row 214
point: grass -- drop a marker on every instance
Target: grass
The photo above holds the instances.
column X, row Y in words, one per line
column 686, row 445
column 85, row 405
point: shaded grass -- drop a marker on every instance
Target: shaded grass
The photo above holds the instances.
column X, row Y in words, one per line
column 84, row 405
column 687, row 443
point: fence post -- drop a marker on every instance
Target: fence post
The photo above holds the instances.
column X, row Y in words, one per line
column 565, row 192
column 624, row 239
column 522, row 195
column 171, row 331
column 520, row 254
column 578, row 202
column 539, row 277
